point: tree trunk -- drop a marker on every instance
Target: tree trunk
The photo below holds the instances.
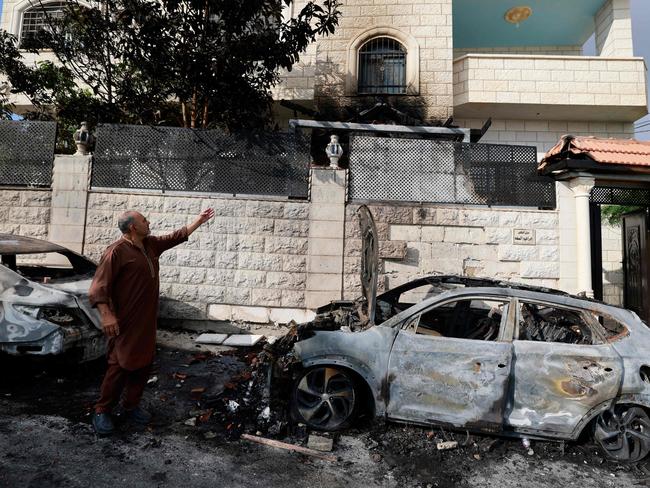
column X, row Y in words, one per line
column 204, row 120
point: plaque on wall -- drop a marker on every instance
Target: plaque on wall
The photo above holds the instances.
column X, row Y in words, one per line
column 523, row 236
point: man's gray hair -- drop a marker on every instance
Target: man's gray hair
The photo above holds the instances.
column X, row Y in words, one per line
column 125, row 221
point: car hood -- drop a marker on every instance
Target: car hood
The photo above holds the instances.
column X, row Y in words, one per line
column 369, row 260
column 14, row 288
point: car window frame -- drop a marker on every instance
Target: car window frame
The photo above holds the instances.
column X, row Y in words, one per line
column 517, row 306
column 505, row 326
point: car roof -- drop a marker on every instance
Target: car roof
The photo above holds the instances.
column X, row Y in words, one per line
column 497, row 284
column 15, row 244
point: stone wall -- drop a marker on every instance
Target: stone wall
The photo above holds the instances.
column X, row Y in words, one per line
column 613, row 279
column 544, row 134
column 549, row 80
column 25, row 212
column 416, row 240
column 614, row 29
column 252, row 253
column 324, row 72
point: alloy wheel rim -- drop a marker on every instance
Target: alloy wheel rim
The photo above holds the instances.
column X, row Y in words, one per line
column 325, row 397
column 624, row 433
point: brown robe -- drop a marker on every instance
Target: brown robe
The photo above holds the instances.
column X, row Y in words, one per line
column 129, row 283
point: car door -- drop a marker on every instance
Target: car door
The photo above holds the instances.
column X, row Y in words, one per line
column 562, row 368
column 440, row 372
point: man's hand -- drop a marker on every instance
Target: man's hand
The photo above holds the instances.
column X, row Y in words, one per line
column 206, row 215
column 110, row 327
column 109, row 322
column 203, row 217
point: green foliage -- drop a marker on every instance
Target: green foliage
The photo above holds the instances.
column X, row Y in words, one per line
column 193, row 63
column 613, row 214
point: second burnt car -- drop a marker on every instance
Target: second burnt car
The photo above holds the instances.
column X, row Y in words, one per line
column 44, row 307
column 476, row 354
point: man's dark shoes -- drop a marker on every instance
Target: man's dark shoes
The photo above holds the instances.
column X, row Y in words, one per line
column 138, row 416
column 103, row 424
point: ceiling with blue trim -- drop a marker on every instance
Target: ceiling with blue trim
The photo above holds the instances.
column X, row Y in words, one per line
column 481, row 23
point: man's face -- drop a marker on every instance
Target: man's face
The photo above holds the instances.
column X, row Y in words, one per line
column 140, row 225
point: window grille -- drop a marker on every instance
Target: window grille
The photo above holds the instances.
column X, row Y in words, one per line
column 36, row 22
column 382, row 67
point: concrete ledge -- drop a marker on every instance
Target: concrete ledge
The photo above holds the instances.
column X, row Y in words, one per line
column 259, row 315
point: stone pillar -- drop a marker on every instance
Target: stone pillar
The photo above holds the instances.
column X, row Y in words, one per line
column 581, row 191
column 326, row 233
column 567, row 229
column 70, row 183
column 614, row 29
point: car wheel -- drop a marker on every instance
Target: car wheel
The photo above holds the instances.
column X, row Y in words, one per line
column 325, row 398
column 624, row 433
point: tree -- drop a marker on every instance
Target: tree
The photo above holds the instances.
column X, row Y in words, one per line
column 194, row 63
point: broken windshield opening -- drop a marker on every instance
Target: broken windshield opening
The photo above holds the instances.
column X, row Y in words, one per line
column 48, row 266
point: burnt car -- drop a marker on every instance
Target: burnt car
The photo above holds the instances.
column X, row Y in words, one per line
column 44, row 307
column 478, row 355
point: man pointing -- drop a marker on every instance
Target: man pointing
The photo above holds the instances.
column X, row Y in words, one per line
column 125, row 290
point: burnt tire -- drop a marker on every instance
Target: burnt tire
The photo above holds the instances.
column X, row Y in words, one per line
column 623, row 433
column 325, row 398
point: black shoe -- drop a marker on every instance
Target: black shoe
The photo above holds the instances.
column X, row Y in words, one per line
column 138, row 415
column 103, row 424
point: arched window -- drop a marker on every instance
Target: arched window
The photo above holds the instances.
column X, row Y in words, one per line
column 382, row 67
column 36, row 20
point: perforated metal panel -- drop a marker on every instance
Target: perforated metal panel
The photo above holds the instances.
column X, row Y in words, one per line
column 609, row 195
column 417, row 170
column 26, row 152
column 172, row 158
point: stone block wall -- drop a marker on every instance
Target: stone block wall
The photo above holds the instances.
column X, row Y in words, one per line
column 544, row 134
column 428, row 26
column 415, row 240
column 549, row 80
column 25, row 212
column 614, row 29
column 613, row 279
column 254, row 252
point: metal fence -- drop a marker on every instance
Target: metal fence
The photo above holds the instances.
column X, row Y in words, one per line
column 609, row 195
column 417, row 170
column 180, row 159
column 26, row 153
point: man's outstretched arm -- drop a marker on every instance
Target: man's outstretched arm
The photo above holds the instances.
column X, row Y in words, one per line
column 203, row 217
column 163, row 243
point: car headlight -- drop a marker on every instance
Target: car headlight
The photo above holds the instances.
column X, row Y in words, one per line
column 57, row 315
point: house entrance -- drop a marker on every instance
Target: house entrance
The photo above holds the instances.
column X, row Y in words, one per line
column 634, row 244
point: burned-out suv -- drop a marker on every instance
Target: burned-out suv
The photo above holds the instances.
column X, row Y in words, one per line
column 44, row 307
column 480, row 355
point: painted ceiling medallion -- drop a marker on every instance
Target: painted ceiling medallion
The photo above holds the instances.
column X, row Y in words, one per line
column 518, row 14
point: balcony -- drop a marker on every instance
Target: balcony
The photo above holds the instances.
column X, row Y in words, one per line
column 579, row 88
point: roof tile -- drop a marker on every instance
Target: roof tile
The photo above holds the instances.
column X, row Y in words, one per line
column 608, row 151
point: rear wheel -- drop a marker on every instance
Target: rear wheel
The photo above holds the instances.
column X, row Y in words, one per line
column 325, row 398
column 624, row 433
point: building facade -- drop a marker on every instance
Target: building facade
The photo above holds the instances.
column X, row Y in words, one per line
column 436, row 59
column 432, row 61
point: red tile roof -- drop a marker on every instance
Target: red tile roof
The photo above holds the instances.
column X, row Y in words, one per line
column 608, row 151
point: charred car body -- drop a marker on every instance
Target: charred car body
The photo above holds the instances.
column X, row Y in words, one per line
column 44, row 308
column 476, row 354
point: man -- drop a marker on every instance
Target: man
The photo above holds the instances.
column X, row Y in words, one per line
column 125, row 290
